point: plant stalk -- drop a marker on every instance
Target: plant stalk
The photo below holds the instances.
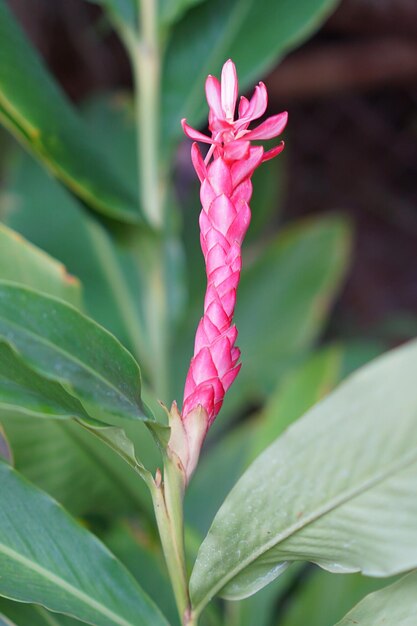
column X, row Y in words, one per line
column 146, row 62
column 167, row 496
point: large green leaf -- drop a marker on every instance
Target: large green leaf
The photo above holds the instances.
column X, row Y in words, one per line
column 47, row 558
column 63, row 345
column 36, row 111
column 254, row 33
column 29, row 205
column 60, row 456
column 396, row 604
column 21, row 262
column 338, row 489
column 24, row 614
column 144, row 559
column 76, row 468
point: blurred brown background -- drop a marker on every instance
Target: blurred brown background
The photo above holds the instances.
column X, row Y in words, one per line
column 351, row 145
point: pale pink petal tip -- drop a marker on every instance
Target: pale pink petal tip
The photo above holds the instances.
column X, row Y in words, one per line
column 229, row 89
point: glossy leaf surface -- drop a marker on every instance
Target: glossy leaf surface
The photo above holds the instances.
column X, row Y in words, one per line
column 37, row 112
column 58, row 566
column 23, row 391
column 63, row 345
column 355, row 512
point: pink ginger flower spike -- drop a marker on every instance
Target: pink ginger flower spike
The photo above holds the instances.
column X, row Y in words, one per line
column 226, row 188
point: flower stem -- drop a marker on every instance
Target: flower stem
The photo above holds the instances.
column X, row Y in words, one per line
column 146, row 63
column 167, row 496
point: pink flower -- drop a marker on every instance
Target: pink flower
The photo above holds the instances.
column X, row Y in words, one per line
column 226, row 189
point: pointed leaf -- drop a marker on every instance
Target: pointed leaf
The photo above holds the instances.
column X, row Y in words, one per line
column 23, row 263
column 337, row 489
column 63, row 345
column 57, row 567
column 396, row 604
column 37, row 112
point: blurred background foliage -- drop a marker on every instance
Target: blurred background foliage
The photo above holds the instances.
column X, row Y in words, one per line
column 330, row 275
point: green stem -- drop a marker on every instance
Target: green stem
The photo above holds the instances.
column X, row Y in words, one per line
column 145, row 52
column 146, row 64
column 167, row 496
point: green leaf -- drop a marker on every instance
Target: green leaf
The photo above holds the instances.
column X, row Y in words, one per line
column 32, row 615
column 337, row 489
column 58, row 566
column 288, row 291
column 21, row 262
column 74, row 467
column 300, row 389
column 63, row 345
column 29, row 203
column 36, row 111
column 60, row 457
column 22, row 391
column 144, row 559
column 254, row 33
column 323, row 597
column 396, row 604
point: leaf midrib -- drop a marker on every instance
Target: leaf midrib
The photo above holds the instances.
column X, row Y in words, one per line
column 63, row 584
column 54, row 348
column 333, row 504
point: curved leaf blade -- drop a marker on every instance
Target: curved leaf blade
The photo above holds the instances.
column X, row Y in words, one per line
column 63, row 345
column 354, row 512
column 396, row 604
column 73, row 466
column 24, row 263
column 58, row 566
column 37, row 112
